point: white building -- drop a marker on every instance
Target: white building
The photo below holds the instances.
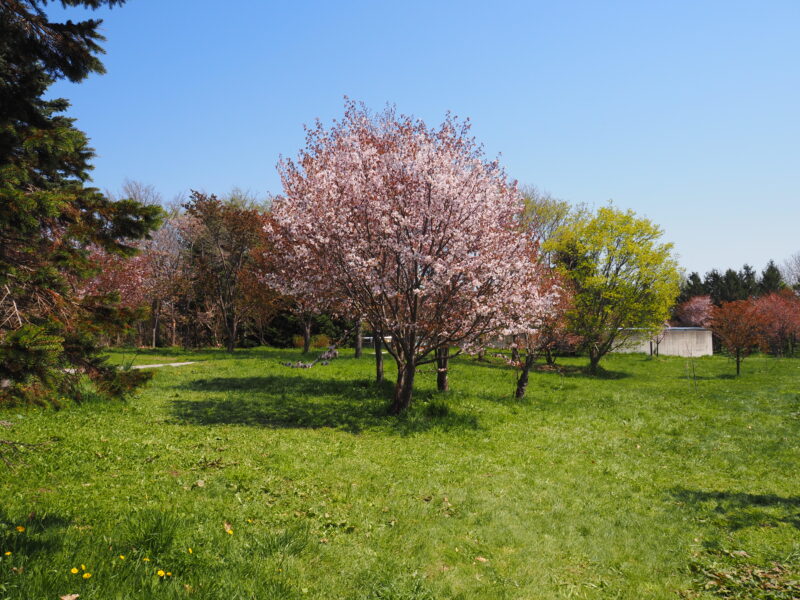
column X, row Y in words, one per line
column 672, row 341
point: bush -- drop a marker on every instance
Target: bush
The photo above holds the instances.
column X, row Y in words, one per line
column 320, row 341
column 317, row 341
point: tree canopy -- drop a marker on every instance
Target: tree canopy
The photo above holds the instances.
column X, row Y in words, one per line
column 409, row 226
column 624, row 279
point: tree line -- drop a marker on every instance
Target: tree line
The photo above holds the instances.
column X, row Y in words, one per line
column 385, row 224
column 745, row 310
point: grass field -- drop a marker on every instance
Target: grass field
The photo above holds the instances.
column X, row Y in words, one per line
column 238, row 478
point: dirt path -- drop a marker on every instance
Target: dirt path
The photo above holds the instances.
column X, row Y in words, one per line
column 180, row 364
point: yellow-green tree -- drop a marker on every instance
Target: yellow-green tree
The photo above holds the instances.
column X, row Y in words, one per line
column 624, row 278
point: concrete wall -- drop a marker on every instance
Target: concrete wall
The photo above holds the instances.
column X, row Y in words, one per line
column 675, row 341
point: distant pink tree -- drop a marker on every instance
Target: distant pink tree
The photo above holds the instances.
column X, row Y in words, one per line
column 541, row 326
column 695, row 312
column 126, row 276
column 412, row 226
column 778, row 317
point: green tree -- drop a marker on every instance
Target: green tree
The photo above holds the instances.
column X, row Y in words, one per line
column 624, row 279
column 50, row 220
column 692, row 286
column 544, row 215
column 223, row 238
column 733, row 286
column 771, row 280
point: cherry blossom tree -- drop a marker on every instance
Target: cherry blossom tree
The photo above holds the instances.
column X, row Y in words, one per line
column 695, row 312
column 412, row 226
column 541, row 326
column 778, row 317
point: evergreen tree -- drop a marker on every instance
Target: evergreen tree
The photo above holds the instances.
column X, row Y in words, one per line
column 771, row 280
column 692, row 286
column 50, row 219
column 712, row 283
column 748, row 282
column 731, row 288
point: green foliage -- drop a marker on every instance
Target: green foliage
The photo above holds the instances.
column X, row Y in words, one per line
column 733, row 285
column 625, row 486
column 623, row 277
column 50, row 220
column 771, row 280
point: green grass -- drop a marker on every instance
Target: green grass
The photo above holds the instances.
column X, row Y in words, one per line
column 641, row 483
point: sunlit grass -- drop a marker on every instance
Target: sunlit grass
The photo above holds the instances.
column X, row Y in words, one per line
column 644, row 482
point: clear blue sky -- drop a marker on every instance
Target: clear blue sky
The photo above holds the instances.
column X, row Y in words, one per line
column 686, row 112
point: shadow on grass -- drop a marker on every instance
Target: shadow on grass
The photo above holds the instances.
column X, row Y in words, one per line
column 42, row 533
column 559, row 369
column 282, row 401
column 710, row 377
column 738, row 510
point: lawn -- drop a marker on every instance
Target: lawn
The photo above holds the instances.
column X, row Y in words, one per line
column 237, row 477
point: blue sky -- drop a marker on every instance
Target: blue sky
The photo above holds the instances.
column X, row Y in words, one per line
column 686, row 112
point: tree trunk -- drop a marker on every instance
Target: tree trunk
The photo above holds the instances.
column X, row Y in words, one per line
column 306, row 336
column 442, row 359
column 549, row 357
column 522, row 382
column 230, row 341
column 403, row 387
column 738, row 362
column 155, row 310
column 359, row 340
column 594, row 360
column 515, row 353
column 378, row 356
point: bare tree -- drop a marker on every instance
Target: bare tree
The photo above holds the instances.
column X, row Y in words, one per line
column 791, row 270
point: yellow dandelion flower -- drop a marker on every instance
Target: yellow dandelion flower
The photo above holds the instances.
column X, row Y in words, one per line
column 20, row 528
column 190, row 551
column 160, row 573
column 8, row 553
column 87, row 575
column 122, row 557
column 73, row 570
column 169, row 574
column 145, row 559
column 83, row 567
column 230, row 531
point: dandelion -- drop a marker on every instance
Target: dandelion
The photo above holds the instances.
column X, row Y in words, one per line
column 122, row 557
column 160, row 573
column 87, row 575
column 83, row 567
column 20, row 528
column 169, row 574
column 73, row 570
column 230, row 531
column 145, row 559
column 8, row 553
column 190, row 551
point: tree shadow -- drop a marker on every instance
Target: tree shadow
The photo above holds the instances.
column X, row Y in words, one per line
column 583, row 371
column 284, row 401
column 557, row 368
column 41, row 533
column 737, row 510
column 710, row 377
